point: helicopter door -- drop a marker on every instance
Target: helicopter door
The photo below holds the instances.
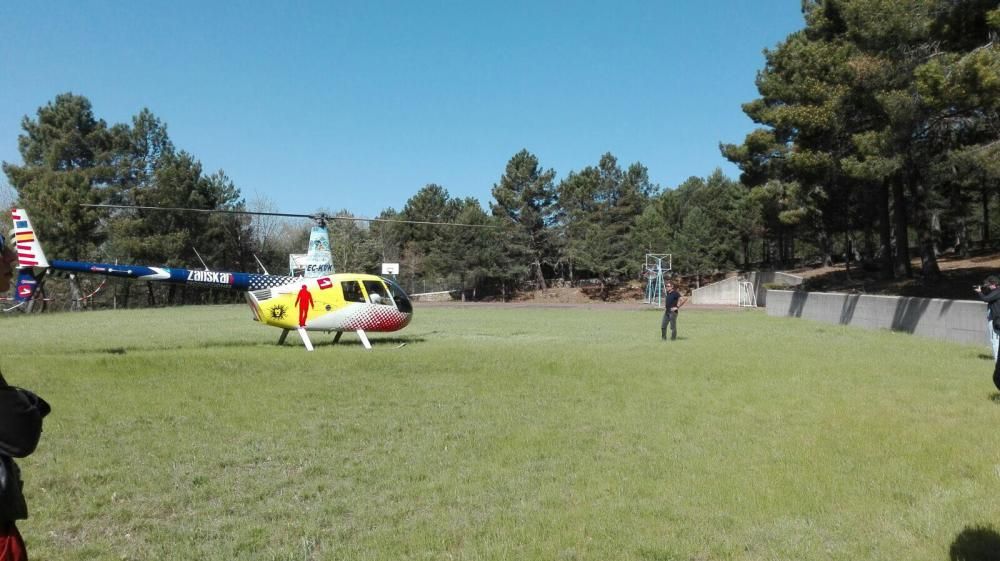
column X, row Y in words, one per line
column 352, row 291
column 377, row 294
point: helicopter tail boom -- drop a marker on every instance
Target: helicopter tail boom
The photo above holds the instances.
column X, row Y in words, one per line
column 32, row 265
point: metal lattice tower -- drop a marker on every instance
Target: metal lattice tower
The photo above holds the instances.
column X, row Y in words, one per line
column 656, row 264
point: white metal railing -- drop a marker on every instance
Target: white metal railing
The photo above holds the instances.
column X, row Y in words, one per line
column 748, row 296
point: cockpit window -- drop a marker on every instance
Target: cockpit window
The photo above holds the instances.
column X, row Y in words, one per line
column 352, row 291
column 377, row 293
column 403, row 303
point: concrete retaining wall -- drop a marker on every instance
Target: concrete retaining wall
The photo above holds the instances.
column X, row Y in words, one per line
column 727, row 291
column 443, row 296
column 723, row 293
column 961, row 321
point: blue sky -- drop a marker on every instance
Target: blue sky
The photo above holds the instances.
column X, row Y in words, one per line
column 359, row 104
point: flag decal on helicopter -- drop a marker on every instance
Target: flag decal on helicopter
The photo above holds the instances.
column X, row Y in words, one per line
column 324, row 283
column 29, row 253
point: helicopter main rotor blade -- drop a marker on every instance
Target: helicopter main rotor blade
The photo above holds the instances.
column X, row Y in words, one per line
column 202, row 210
column 317, row 217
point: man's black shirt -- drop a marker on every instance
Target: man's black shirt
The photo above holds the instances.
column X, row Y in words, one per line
column 673, row 297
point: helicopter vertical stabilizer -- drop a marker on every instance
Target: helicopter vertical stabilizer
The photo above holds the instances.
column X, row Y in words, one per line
column 29, row 256
column 318, row 262
column 29, row 251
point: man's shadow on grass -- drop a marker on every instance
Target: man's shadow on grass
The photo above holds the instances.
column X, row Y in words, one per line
column 976, row 543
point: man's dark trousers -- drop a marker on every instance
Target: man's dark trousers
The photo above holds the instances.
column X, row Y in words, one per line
column 669, row 318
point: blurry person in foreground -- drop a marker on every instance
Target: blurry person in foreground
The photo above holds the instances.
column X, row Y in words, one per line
column 21, row 414
column 7, row 258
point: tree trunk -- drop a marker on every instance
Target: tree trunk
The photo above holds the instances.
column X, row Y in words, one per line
column 959, row 227
column 869, row 235
column 886, row 270
column 540, row 277
column 825, row 245
column 900, row 230
column 781, row 244
column 934, row 217
column 848, row 252
column 925, row 232
column 961, row 236
column 985, row 192
column 150, row 297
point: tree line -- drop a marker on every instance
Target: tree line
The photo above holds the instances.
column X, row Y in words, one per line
column 595, row 223
column 879, row 133
column 878, row 136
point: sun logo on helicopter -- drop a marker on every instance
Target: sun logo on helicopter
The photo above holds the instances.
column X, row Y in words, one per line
column 278, row 312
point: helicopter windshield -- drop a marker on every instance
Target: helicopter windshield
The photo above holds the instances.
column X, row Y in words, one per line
column 403, row 303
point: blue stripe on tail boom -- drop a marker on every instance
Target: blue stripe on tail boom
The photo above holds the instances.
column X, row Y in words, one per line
column 213, row 279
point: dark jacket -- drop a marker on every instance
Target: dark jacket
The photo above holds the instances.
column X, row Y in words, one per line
column 21, row 414
column 992, row 299
column 12, row 504
column 672, row 301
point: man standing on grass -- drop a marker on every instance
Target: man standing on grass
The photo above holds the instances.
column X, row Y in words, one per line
column 21, row 414
column 673, row 305
column 992, row 298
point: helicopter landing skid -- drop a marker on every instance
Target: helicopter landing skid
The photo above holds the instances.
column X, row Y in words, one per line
column 305, row 338
column 364, row 339
column 361, row 335
column 302, row 334
column 308, row 344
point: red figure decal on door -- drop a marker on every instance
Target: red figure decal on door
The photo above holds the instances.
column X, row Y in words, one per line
column 303, row 302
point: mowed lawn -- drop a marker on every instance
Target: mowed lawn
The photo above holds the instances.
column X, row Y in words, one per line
column 505, row 433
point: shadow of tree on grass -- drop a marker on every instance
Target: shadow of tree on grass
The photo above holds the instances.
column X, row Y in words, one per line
column 976, row 543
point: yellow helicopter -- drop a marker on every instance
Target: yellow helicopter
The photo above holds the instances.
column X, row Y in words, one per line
column 320, row 301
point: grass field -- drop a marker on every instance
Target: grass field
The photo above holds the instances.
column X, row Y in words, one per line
column 506, row 433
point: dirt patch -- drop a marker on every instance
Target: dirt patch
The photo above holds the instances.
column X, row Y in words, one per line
column 626, row 293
